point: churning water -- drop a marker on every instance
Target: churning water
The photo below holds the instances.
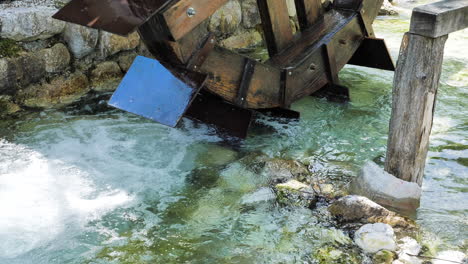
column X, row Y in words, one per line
column 115, row 188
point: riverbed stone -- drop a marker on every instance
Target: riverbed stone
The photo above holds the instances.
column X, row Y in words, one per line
column 226, row 20
column 250, row 14
column 280, row 170
column 7, row 106
column 216, row 155
column 372, row 238
column 106, row 76
column 247, row 39
column 388, row 9
column 56, row 59
column 28, row 68
column 29, row 23
column 383, row 257
column 81, row 40
column 334, row 255
column 110, row 44
column 59, row 92
column 125, row 60
column 295, row 193
column 264, row 194
column 354, row 208
column 385, row 189
column 407, row 249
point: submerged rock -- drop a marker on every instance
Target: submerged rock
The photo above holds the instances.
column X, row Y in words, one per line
column 372, row 238
column 353, row 208
column 334, row 255
column 295, row 193
column 383, row 257
column 385, row 189
column 281, row 170
column 261, row 195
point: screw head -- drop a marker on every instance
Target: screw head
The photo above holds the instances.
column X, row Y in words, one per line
column 191, row 12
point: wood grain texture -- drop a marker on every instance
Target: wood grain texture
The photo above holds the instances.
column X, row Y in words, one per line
column 414, row 95
column 177, row 21
column 276, row 25
column 309, row 12
column 440, row 18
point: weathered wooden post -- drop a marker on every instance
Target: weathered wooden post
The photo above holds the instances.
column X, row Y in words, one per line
column 416, row 83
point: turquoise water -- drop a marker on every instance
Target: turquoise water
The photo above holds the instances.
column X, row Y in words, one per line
column 115, row 188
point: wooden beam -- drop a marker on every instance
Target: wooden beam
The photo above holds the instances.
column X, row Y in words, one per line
column 308, row 12
column 276, row 25
column 440, row 18
column 414, row 96
column 185, row 15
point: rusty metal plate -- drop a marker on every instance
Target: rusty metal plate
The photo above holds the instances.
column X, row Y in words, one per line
column 116, row 16
column 150, row 90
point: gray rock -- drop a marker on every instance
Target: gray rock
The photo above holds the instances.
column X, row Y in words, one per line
column 106, row 76
column 244, row 40
column 372, row 238
column 407, row 249
column 385, row 189
column 81, row 40
column 353, row 208
column 295, row 193
column 227, row 19
column 110, row 44
column 59, row 92
column 29, row 23
column 56, row 59
column 250, row 14
column 7, row 77
column 28, row 68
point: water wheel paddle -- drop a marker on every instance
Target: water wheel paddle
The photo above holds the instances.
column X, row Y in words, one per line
column 195, row 77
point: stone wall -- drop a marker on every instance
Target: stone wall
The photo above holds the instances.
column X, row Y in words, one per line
column 47, row 63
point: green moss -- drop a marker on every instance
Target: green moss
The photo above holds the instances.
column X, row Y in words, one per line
column 334, row 255
column 8, row 48
column 383, row 257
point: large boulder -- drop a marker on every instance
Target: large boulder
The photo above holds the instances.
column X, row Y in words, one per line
column 372, row 238
column 353, row 208
column 385, row 189
column 29, row 23
column 56, row 59
column 59, row 92
column 81, row 40
column 226, row 20
column 295, row 193
column 106, row 76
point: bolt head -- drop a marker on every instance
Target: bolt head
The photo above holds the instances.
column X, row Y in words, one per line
column 191, row 12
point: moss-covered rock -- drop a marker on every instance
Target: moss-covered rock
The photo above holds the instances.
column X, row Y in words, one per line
column 295, row 193
column 334, row 255
column 9, row 48
column 7, row 106
column 383, row 257
column 106, row 76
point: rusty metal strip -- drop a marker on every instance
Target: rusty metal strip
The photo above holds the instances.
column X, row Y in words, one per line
column 199, row 56
column 249, row 69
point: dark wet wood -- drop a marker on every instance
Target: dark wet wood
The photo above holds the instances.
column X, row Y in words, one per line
column 309, row 12
column 276, row 25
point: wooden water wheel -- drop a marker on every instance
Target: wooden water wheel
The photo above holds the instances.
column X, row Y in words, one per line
column 227, row 86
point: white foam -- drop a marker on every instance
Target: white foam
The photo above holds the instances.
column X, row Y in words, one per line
column 39, row 198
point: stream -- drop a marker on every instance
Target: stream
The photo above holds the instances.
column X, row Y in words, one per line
column 111, row 187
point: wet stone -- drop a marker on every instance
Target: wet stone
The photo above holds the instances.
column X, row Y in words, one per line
column 295, row 193
column 106, row 76
column 372, row 238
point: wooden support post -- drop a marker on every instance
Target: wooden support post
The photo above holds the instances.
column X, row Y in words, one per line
column 308, row 12
column 276, row 25
column 415, row 86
